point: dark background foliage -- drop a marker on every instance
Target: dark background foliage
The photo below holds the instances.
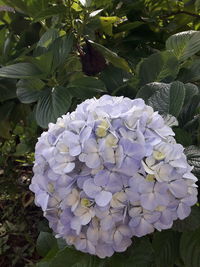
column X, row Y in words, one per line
column 54, row 55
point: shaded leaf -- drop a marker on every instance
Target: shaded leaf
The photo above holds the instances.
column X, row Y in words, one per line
column 169, row 99
column 20, row 71
column 193, row 157
column 68, row 257
column 45, row 242
column 148, row 90
column 191, row 73
column 7, row 90
column 142, row 254
column 182, row 137
column 190, row 248
column 60, row 48
column 166, row 248
column 86, row 87
column 190, row 223
column 52, row 104
column 49, row 12
column 28, row 91
column 161, row 66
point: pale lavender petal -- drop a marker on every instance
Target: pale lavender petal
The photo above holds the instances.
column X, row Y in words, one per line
column 183, row 211
column 103, row 198
column 178, row 188
column 92, row 160
column 149, row 201
column 90, row 188
column 143, row 228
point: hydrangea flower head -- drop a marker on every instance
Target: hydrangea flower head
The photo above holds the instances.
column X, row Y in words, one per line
column 109, row 171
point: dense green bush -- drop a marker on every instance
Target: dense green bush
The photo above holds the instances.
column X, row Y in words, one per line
column 54, row 55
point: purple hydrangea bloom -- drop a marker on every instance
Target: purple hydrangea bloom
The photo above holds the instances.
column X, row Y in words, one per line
column 109, row 171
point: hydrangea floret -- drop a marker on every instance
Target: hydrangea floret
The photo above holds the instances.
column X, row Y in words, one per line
column 109, row 171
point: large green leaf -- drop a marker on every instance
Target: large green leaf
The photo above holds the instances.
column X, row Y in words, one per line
column 146, row 91
column 166, row 247
column 61, row 48
column 49, row 12
column 184, row 44
column 193, row 157
column 86, row 87
column 52, row 104
column 112, row 57
column 190, row 248
column 45, row 242
column 189, row 115
column 28, row 91
column 191, row 73
column 68, row 257
column 192, row 222
column 190, row 91
column 142, row 254
column 183, row 137
column 169, row 99
column 44, row 62
column 48, row 37
column 7, row 89
column 161, row 66
column 20, row 71
column 115, row 79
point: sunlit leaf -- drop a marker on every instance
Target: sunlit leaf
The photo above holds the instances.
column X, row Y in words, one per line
column 184, row 44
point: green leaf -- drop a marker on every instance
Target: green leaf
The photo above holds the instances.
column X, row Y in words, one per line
column 49, row 12
column 45, row 242
column 114, row 78
column 44, row 62
column 86, row 87
column 169, row 99
column 193, row 157
column 112, row 57
column 7, row 90
column 20, row 71
column 190, row 91
column 142, row 254
column 5, row 109
column 52, row 104
column 190, row 223
column 28, row 91
column 148, row 90
column 47, row 38
column 68, row 257
column 184, row 44
column 161, row 66
column 191, row 73
column 182, row 137
column 189, row 115
column 61, row 48
column 166, row 247
column 190, row 248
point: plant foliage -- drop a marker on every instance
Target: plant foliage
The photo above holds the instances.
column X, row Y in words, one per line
column 54, row 55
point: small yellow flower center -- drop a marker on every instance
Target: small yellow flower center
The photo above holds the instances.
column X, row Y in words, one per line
column 150, row 178
column 160, row 208
column 111, row 140
column 158, row 155
column 85, row 202
column 102, row 128
column 50, row 188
